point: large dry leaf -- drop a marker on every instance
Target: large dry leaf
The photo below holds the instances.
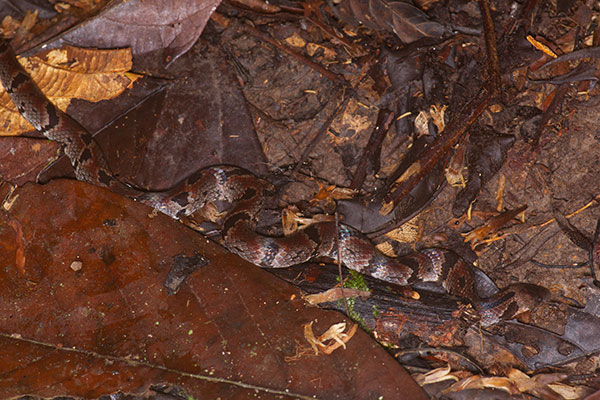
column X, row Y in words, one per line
column 157, row 134
column 68, row 73
column 146, row 25
column 83, row 311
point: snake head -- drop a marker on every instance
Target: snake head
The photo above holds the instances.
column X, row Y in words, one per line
column 527, row 295
column 511, row 302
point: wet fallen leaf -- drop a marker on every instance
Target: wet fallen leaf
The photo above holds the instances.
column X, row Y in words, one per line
column 538, row 385
column 111, row 325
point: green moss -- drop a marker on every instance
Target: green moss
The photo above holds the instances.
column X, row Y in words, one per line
column 375, row 312
column 356, row 281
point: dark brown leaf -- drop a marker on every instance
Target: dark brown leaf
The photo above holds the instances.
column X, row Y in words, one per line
column 157, row 134
column 485, row 156
column 145, row 26
column 407, row 21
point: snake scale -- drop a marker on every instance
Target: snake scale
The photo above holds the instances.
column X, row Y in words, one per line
column 246, row 194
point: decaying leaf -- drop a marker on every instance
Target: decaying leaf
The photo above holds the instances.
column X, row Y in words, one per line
column 357, row 117
column 71, row 73
column 293, row 221
column 456, row 170
column 437, row 113
column 9, row 199
column 407, row 21
column 332, row 192
column 10, row 25
column 568, row 392
column 289, row 220
column 328, row 54
column 295, row 40
column 327, row 195
column 422, row 124
column 387, row 249
column 486, row 152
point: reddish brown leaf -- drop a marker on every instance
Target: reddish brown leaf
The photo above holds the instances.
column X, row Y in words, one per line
column 111, row 325
column 21, row 159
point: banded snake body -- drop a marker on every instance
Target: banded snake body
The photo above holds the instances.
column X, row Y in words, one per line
column 246, row 194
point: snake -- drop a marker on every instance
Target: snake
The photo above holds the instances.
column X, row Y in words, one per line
column 246, row 193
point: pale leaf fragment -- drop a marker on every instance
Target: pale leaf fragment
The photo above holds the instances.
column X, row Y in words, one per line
column 335, row 294
column 387, row 249
column 295, row 40
column 312, row 48
column 335, row 335
column 568, row 392
column 422, row 124
column 479, row 382
column 311, row 338
column 435, row 376
column 437, row 113
column 540, row 383
column 292, row 221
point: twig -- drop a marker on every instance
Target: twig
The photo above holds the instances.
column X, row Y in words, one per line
column 319, row 68
column 559, row 94
column 559, row 266
column 372, row 152
column 594, row 254
column 524, row 21
column 490, row 45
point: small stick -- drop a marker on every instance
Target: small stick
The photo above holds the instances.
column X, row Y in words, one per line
column 372, row 152
column 490, row 45
column 319, row 68
column 457, row 127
